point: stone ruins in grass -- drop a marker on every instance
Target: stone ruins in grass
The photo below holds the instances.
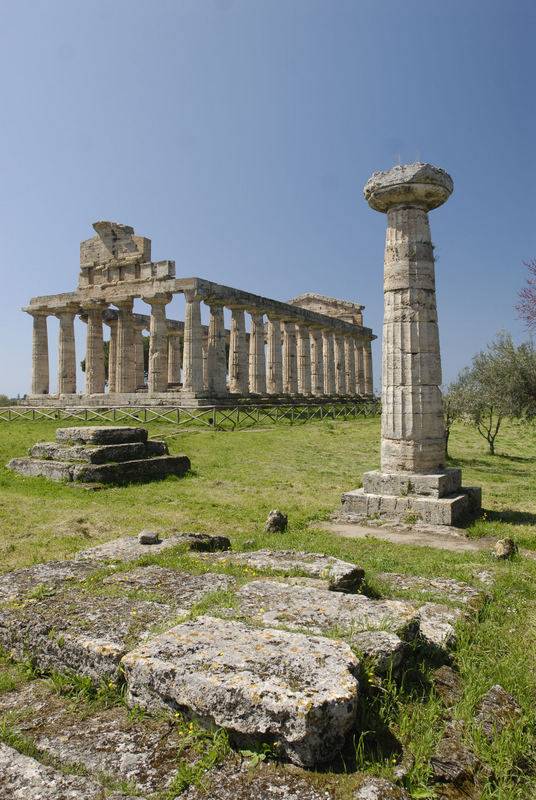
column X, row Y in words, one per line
column 412, row 482
column 312, row 347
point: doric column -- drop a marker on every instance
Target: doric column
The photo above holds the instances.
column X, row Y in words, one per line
column 112, row 357
column 317, row 362
column 192, row 358
column 257, row 362
column 329, row 361
column 304, row 360
column 66, row 351
column 94, row 349
column 238, row 354
column 125, row 367
column 174, row 357
column 349, row 359
column 367, row 366
column 274, row 367
column 40, row 372
column 290, row 357
column 216, row 366
column 413, row 432
column 340, row 364
column 139, row 356
column 359, row 367
column 158, row 346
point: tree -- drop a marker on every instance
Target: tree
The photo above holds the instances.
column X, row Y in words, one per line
column 527, row 295
column 501, row 382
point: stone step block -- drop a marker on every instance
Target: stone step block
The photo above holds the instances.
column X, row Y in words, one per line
column 25, row 778
column 298, row 691
column 446, row 588
column 340, row 576
column 143, row 468
column 409, row 484
column 38, row 467
column 451, row 510
column 92, row 455
column 101, row 434
column 320, row 611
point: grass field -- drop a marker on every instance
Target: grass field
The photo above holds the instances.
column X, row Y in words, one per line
column 237, row 477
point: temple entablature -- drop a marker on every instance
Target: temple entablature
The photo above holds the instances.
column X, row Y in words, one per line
column 311, row 347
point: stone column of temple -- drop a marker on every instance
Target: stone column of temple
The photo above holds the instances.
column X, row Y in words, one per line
column 340, row 364
column 238, row 353
column 139, row 359
column 274, row 366
column 317, row 362
column 257, row 361
column 367, row 366
column 329, row 361
column 359, row 367
column 66, row 351
column 40, row 371
column 349, row 360
column 304, row 360
column 125, row 365
column 413, row 433
column 174, row 357
column 158, row 345
column 112, row 356
column 192, row 359
column 290, row 371
column 216, row 366
column 94, row 349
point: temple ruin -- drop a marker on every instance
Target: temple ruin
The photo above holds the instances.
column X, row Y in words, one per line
column 310, row 348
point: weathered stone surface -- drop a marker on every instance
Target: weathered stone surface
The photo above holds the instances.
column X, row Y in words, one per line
column 380, row 789
column 44, row 577
column 447, row 684
column 132, row 470
column 154, row 447
column 437, row 623
column 36, row 467
column 126, row 548
column 447, row 588
column 276, row 522
column 24, row 778
column 504, row 548
column 204, row 542
column 80, row 631
column 318, row 610
column 101, row 434
column 451, row 510
column 497, row 709
column 148, row 537
column 438, row 484
column 453, row 762
column 341, row 575
column 105, row 742
column 299, row 691
column 91, row 455
column 178, row 587
column 385, row 650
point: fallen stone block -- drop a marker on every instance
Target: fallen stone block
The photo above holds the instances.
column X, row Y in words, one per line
column 127, row 548
column 276, row 522
column 299, row 692
column 437, row 623
column 320, row 611
column 42, row 578
column 380, row 789
column 24, row 778
column 101, row 434
column 178, row 587
column 497, row 709
column 447, row 588
column 447, row 684
column 453, row 762
column 204, row 542
column 340, row 575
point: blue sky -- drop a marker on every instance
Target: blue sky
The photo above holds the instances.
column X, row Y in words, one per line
column 238, row 135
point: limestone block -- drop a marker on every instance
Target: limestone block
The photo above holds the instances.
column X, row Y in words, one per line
column 437, row 623
column 437, row 511
column 125, row 549
column 437, row 484
column 49, row 575
column 341, row 575
column 139, row 469
column 101, row 434
column 298, row 691
column 204, row 542
column 176, row 586
column 446, row 588
column 414, row 183
column 36, row 467
column 92, row 455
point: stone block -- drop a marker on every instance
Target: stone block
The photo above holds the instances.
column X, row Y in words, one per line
column 92, row 455
column 437, row 623
column 139, row 469
column 175, row 586
column 451, row 510
column 156, row 448
column 446, row 588
column 298, row 691
column 101, row 434
column 474, row 497
column 127, row 548
column 36, row 467
column 403, row 484
column 49, row 576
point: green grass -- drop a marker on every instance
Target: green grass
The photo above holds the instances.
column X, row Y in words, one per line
column 237, row 477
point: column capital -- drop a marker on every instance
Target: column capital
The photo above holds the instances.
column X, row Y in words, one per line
column 410, row 185
column 71, row 308
column 158, row 299
column 191, row 295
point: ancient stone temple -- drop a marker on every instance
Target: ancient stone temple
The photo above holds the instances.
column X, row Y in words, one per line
column 312, row 347
column 412, row 482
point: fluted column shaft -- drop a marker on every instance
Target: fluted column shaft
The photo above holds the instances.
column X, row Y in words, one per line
column 304, row 360
column 367, row 366
column 192, row 359
column 125, row 370
column 216, row 366
column 139, row 356
column 274, row 369
column 94, row 351
column 359, row 367
column 257, row 362
column 158, row 346
column 349, row 361
column 317, row 363
column 40, row 369
column 112, row 357
column 66, row 352
column 290, row 371
column 238, row 354
column 174, row 357
column 329, row 362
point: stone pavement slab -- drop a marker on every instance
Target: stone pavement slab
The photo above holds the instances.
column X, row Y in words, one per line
column 127, row 548
column 298, row 691
column 176, row 586
column 445, row 588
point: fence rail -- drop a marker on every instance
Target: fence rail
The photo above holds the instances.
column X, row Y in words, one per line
column 214, row 417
